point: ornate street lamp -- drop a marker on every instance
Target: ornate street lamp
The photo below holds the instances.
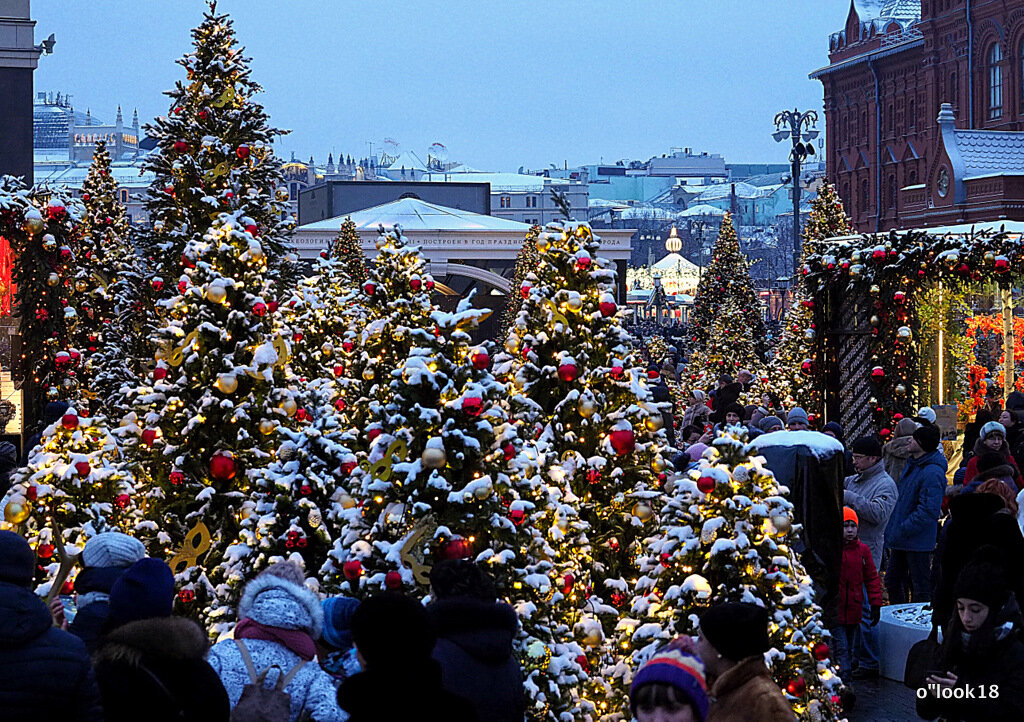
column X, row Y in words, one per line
column 799, row 128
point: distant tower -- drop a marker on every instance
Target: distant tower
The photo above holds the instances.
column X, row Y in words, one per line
column 135, row 128
column 118, row 135
column 330, row 164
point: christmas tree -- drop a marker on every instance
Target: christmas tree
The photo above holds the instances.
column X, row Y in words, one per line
column 109, row 280
column 593, row 440
column 727, row 536
column 76, row 485
column 725, row 290
column 526, row 263
column 728, row 350
column 795, row 363
column 214, row 156
column 44, row 234
column 348, row 251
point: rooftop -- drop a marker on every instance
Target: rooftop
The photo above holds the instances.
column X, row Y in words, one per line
column 413, row 214
column 512, row 182
column 989, row 152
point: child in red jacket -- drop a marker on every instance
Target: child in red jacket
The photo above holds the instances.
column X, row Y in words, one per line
column 858, row 571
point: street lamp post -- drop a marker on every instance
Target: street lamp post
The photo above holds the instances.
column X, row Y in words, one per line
column 657, row 296
column 799, row 128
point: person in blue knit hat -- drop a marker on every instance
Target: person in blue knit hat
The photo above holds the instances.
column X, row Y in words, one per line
column 335, row 649
column 670, row 687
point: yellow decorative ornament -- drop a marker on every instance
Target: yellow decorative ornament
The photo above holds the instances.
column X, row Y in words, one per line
column 227, row 383
column 543, row 243
column 226, row 97
column 177, row 354
column 369, row 374
column 327, row 349
column 289, row 406
column 782, row 523
column 267, row 427
column 381, row 469
column 216, row 293
column 434, row 458
column 512, row 343
column 654, row 422
column 643, row 511
column 281, row 194
column 483, row 491
column 34, row 225
column 593, row 638
column 587, row 406
column 220, row 169
column 659, row 464
column 197, row 543
column 556, row 315
column 52, row 280
column 574, row 302
column 17, row 510
column 346, row 501
column 81, row 285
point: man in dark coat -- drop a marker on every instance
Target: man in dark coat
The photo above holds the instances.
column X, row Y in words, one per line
column 151, row 665
column 44, row 671
column 727, row 394
column 474, row 641
column 51, row 415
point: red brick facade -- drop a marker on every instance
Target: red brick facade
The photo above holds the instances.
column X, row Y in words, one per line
column 886, row 80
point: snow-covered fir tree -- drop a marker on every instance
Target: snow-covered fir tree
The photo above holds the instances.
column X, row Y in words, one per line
column 593, row 444
column 348, row 251
column 526, row 264
column 727, row 535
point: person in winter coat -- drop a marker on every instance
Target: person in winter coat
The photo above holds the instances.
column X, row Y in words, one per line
column 896, row 451
column 334, row 649
column 835, row 430
column 697, row 412
column 474, row 641
column 44, row 671
column 993, row 438
column 913, row 525
column 732, row 641
column 670, row 686
column 727, row 394
column 8, row 463
column 797, row 420
column 972, row 432
column 105, row 558
column 858, row 572
column 663, row 398
column 981, row 650
column 668, row 370
column 279, row 621
column 872, row 493
column 148, row 660
column 400, row 680
column 52, row 413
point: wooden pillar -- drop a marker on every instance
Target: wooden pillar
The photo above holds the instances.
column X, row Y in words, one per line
column 1006, row 296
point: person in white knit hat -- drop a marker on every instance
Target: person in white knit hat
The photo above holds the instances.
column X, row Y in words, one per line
column 105, row 558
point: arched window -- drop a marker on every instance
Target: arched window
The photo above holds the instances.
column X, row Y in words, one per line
column 891, row 200
column 912, row 115
column 995, row 82
column 864, row 192
column 912, row 178
column 863, row 125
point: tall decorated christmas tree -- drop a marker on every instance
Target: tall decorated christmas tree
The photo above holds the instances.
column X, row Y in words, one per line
column 727, row 536
column 348, row 251
column 796, row 360
column 203, row 426
column 526, row 263
column 593, row 445
column 726, row 301
column 213, row 156
column 110, row 284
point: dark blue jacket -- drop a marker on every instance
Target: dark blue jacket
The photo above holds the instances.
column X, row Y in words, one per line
column 914, row 522
column 45, row 672
column 92, row 617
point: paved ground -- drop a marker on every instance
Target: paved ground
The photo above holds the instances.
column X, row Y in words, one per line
column 883, row 700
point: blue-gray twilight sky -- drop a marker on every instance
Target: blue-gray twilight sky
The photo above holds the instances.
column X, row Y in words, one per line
column 500, row 84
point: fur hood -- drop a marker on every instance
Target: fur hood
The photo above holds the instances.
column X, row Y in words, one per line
column 172, row 638
column 898, row 447
column 276, row 602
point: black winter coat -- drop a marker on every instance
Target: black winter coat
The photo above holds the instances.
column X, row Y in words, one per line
column 44, row 671
column 402, row 695
column 92, row 617
column 474, row 648
column 156, row 669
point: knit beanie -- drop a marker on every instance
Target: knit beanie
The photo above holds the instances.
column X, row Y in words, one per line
column 17, row 562
column 927, row 437
column 850, row 515
column 725, row 379
column 836, row 429
column 679, row 669
column 289, row 571
column 797, row 415
column 927, row 413
column 984, row 582
column 392, row 630
column 338, row 612
column 734, row 409
column 866, row 446
column 770, row 422
column 145, row 591
column 905, row 427
column 696, row 451
column 112, row 549
column 992, row 427
column 736, row 629
column 699, row 395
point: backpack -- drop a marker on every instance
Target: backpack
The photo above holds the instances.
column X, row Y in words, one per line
column 264, row 704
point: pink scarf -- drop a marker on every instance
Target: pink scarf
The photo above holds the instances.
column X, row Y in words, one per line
column 293, row 639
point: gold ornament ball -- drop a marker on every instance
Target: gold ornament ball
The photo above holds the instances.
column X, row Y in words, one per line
column 52, row 280
column 216, row 294
column 327, row 349
column 575, row 303
column 587, row 407
column 49, row 243
column 17, row 509
column 434, row 458
column 643, row 511
column 267, row 427
column 593, row 638
column 512, row 343
column 33, row 226
column 81, row 285
column 369, row 374
column 346, row 501
column 543, row 244
column 654, row 422
column 483, row 491
column 289, row 406
column 659, row 464
column 782, row 523
column 282, row 194
column 901, row 389
column 227, row 383
column 990, row 257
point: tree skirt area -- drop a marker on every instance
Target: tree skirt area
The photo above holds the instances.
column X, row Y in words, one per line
column 900, row 627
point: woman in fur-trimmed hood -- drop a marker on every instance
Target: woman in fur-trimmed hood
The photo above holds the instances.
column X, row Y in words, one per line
column 280, row 621
column 150, row 665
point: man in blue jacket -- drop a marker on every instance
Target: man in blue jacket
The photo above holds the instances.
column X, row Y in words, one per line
column 913, row 526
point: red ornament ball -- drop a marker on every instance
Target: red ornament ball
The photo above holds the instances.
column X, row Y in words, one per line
column 508, row 450
column 352, row 570
column 159, row 373
column 32, row 492
column 338, row 371
column 878, row 373
column 623, row 441
column 594, row 476
column 568, row 372
column 180, row 146
column 821, row 651
column 148, row 436
column 68, row 587
column 1002, row 264
column 305, row 490
column 177, row 477
column 473, row 405
column 616, row 372
column 242, row 151
column 524, row 290
column 480, row 360
column 583, row 263
column 456, row 548
column 252, row 229
column 807, row 367
column 568, row 581
column 878, row 254
column 796, row 686
column 372, row 434
column 517, row 516
column 369, row 287
column 392, row 581
column 69, row 421
column 259, row 309
column 608, row 308
column 415, row 284
column 186, row 596
column 45, row 551
column 430, row 284
column 297, row 337
column 122, row 500
column 301, row 414
column 706, row 484
column 347, row 346
column 222, row 466
column 83, row 468
column 899, row 297
column 347, row 467
column 583, row 662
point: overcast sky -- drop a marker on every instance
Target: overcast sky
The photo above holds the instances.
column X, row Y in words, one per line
column 501, row 84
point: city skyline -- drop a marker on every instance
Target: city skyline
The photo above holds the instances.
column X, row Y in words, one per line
column 624, row 84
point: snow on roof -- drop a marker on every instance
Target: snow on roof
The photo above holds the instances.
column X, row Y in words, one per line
column 408, row 160
column 674, row 261
column 647, row 213
column 724, row 190
column 985, row 152
column 412, row 214
column 701, row 209
column 821, row 445
column 125, row 175
column 602, row 203
column 465, row 169
column 513, row 182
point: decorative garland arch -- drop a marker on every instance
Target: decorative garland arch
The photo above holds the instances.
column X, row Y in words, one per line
column 878, row 278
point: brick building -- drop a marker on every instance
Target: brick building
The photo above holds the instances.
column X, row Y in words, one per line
column 894, row 163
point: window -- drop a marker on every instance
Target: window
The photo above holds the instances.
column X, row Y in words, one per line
column 1020, row 55
column 891, row 199
column 995, row 82
column 892, row 123
column 506, row 201
column 124, row 195
column 912, row 178
column 864, row 124
column 912, row 115
column 953, row 88
column 864, row 193
column 531, row 201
